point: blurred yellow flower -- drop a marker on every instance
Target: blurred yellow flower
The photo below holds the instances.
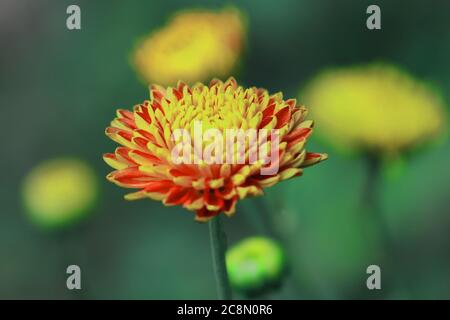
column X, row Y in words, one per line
column 255, row 264
column 375, row 108
column 194, row 46
column 59, row 191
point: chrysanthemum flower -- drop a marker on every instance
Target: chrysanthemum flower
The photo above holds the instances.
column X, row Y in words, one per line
column 144, row 160
column 194, row 46
column 59, row 191
column 375, row 108
column 255, row 264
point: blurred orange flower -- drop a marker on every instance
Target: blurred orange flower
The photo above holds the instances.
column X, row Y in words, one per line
column 145, row 160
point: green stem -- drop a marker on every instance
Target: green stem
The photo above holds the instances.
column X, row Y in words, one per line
column 218, row 249
column 276, row 229
column 371, row 200
column 266, row 221
column 392, row 254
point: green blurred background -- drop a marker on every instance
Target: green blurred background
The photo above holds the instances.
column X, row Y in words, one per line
column 59, row 89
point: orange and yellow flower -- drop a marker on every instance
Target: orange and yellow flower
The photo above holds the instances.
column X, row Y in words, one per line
column 195, row 45
column 144, row 160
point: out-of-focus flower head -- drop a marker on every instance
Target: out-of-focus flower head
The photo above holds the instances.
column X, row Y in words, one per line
column 59, row 191
column 255, row 264
column 195, row 45
column 375, row 108
column 145, row 158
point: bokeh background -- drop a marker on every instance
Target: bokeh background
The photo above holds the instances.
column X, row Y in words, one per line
column 59, row 89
